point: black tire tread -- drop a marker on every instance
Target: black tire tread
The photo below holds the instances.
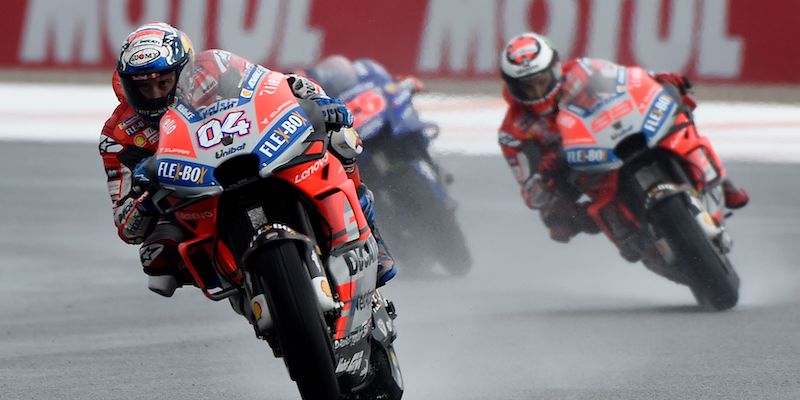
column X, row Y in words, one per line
column 300, row 327
column 713, row 281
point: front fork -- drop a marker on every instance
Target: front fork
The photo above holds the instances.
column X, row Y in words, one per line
column 704, row 204
column 620, row 212
column 267, row 234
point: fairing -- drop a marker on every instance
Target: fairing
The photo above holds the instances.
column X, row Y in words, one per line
column 197, row 138
column 602, row 105
column 265, row 120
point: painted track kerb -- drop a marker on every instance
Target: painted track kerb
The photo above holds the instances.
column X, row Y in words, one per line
column 740, row 131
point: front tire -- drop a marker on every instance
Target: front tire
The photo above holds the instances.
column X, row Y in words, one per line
column 302, row 333
column 711, row 277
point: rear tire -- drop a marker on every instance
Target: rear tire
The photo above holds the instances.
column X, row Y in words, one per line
column 453, row 255
column 437, row 222
column 303, row 336
column 712, row 279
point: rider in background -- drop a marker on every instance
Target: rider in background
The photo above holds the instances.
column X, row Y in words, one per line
column 531, row 143
column 149, row 67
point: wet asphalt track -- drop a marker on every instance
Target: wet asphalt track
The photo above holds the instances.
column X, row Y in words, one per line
column 535, row 319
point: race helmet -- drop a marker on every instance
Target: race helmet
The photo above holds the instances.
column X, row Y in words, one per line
column 152, row 51
column 531, row 69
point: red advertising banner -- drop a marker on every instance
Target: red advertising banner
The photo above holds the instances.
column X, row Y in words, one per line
column 711, row 40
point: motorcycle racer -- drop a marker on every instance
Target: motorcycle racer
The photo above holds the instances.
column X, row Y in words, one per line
column 531, row 144
column 146, row 83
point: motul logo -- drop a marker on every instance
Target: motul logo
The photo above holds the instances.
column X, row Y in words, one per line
column 706, row 39
column 95, row 28
column 469, row 41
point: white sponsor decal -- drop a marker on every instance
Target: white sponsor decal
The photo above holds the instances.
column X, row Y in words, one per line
column 149, row 253
column 175, row 150
column 283, row 134
column 182, row 172
column 109, row 145
column 653, row 121
column 143, row 57
column 586, row 155
column 270, row 84
column 350, row 365
column 168, row 124
column 697, row 34
column 80, row 29
column 312, row 169
column 211, row 133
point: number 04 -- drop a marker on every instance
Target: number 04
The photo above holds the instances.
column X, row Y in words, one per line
column 210, row 134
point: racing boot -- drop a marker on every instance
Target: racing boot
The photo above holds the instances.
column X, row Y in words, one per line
column 735, row 197
column 162, row 262
column 566, row 219
column 386, row 266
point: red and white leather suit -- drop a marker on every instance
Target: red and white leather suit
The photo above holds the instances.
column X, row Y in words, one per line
column 126, row 139
column 531, row 145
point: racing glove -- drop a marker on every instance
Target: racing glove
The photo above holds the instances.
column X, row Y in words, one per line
column 411, row 83
column 680, row 81
column 135, row 218
column 334, row 111
column 302, row 87
column 141, row 176
column 549, row 165
column 536, row 193
column 537, row 190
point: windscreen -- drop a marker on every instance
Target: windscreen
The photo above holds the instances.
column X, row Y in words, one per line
column 587, row 89
column 215, row 82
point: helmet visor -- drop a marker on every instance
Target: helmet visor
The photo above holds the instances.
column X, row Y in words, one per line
column 150, row 95
column 537, row 86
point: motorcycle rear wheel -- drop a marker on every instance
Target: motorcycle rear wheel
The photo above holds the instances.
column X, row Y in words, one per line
column 438, row 222
column 303, row 336
column 712, row 278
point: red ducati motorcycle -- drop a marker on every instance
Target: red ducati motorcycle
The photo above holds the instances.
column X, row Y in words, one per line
column 274, row 225
column 647, row 178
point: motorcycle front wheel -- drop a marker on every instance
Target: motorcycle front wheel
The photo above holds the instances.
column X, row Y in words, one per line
column 302, row 333
column 712, row 278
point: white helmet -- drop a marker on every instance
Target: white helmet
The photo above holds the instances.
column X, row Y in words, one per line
column 531, row 69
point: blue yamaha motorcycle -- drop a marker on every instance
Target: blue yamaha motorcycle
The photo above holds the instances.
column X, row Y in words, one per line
column 416, row 213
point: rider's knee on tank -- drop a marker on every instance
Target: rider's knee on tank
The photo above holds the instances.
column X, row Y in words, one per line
column 386, row 264
column 366, row 200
